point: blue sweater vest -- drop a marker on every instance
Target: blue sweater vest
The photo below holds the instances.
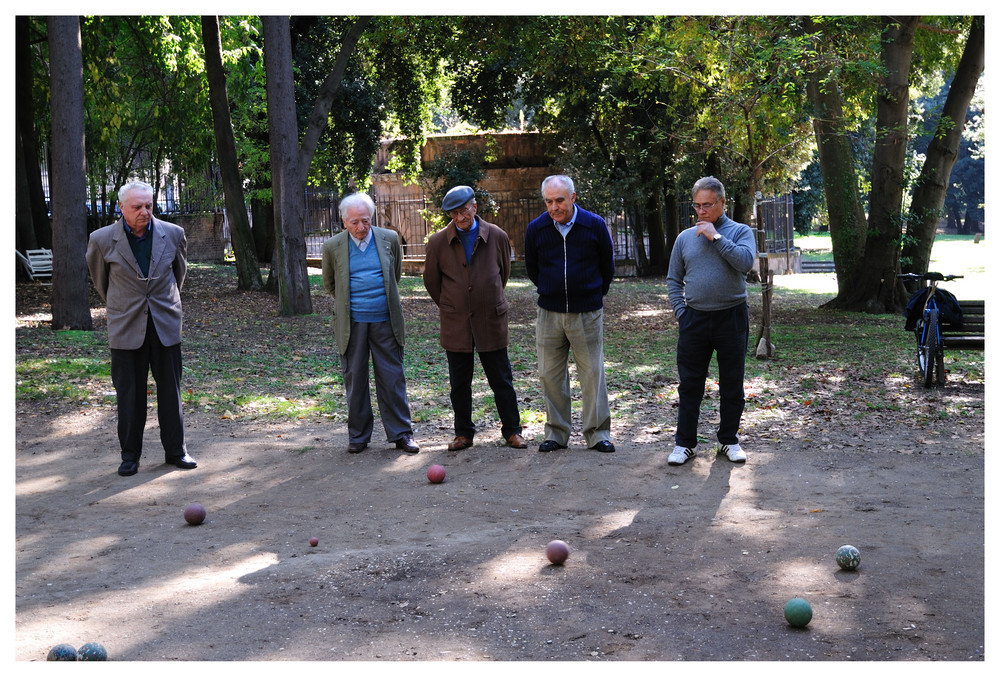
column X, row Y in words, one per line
column 368, row 300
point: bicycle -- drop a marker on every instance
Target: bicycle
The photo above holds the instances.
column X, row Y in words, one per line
column 930, row 347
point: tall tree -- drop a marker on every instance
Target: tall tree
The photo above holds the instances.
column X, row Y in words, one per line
column 33, row 213
column 70, row 298
column 927, row 204
column 289, row 162
column 247, row 268
column 846, row 210
column 286, row 186
column 875, row 288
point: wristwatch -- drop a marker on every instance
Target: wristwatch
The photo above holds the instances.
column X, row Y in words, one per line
column 716, row 237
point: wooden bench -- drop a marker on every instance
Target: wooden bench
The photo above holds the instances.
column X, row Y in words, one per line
column 36, row 262
column 972, row 335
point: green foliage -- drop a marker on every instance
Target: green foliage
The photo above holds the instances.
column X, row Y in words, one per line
column 143, row 75
column 457, row 168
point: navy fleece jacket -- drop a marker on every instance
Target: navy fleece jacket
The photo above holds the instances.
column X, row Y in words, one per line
column 574, row 273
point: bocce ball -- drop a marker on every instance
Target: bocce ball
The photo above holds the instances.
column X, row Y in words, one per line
column 798, row 613
column 62, row 652
column 92, row 651
column 314, row 541
column 194, row 514
column 557, row 552
column 848, row 557
column 435, row 474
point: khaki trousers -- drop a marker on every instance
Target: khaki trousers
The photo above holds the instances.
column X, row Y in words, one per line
column 555, row 335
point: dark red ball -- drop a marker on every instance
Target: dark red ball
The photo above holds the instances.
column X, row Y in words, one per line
column 557, row 552
column 194, row 514
column 435, row 474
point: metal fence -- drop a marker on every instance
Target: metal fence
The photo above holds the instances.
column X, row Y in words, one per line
column 408, row 217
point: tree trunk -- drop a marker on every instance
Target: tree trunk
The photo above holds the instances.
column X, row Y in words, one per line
column 286, row 182
column 262, row 218
column 247, row 267
column 658, row 258
column 927, row 205
column 70, row 297
column 671, row 227
column 875, row 288
column 24, row 102
column 840, row 181
column 24, row 234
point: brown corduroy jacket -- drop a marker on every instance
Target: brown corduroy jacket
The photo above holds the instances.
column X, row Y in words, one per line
column 470, row 295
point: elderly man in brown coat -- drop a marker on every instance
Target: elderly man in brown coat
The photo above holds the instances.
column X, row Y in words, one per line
column 466, row 269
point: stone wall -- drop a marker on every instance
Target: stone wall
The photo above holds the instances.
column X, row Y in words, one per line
column 206, row 241
column 523, row 160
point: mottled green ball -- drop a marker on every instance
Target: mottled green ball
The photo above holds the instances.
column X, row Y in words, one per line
column 848, row 557
column 798, row 613
column 62, row 652
column 92, row 651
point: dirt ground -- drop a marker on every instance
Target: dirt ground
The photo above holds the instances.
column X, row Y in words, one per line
column 690, row 563
column 667, row 564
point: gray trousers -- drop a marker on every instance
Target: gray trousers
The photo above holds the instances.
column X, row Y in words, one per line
column 555, row 334
column 375, row 340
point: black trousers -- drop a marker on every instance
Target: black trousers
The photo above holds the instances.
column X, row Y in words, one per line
column 130, row 370
column 496, row 366
column 724, row 332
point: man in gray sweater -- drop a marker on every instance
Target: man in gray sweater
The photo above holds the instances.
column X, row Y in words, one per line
column 708, row 293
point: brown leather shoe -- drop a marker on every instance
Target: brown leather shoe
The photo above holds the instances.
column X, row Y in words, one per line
column 407, row 444
column 517, row 442
column 459, row 443
column 356, row 447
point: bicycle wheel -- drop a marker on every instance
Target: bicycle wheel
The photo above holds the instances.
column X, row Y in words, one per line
column 929, row 347
column 918, row 332
column 942, row 375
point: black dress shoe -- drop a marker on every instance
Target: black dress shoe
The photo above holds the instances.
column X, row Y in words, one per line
column 550, row 445
column 604, row 446
column 407, row 444
column 128, row 468
column 185, row 462
column 356, row 447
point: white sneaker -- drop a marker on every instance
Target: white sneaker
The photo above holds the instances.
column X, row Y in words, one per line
column 733, row 452
column 680, row 455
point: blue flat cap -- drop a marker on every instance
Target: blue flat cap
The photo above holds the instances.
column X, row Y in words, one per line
column 456, row 197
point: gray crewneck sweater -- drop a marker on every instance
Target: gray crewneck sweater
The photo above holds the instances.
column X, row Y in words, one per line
column 709, row 275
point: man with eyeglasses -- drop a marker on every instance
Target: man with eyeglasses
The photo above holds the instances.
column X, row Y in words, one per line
column 707, row 286
column 138, row 265
column 466, row 268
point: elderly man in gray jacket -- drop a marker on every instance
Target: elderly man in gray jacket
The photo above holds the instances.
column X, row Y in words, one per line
column 138, row 266
column 708, row 292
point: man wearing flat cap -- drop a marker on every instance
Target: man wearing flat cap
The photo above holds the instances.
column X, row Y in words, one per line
column 466, row 269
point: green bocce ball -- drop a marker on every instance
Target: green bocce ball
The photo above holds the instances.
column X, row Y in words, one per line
column 62, row 652
column 848, row 557
column 798, row 613
column 92, row 651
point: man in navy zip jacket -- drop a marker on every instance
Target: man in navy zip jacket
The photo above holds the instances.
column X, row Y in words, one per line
column 570, row 258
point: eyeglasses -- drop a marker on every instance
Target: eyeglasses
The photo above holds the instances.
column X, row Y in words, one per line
column 462, row 211
column 152, row 267
column 704, row 207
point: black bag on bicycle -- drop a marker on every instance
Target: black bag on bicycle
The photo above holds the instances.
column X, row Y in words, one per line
column 949, row 309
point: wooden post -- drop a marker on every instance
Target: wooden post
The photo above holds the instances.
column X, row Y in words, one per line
column 764, row 347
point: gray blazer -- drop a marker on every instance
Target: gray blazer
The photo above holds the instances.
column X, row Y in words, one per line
column 129, row 298
column 337, row 278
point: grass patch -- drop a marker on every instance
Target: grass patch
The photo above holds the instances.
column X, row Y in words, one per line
column 242, row 361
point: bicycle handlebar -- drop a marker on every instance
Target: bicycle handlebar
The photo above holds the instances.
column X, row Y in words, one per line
column 927, row 276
